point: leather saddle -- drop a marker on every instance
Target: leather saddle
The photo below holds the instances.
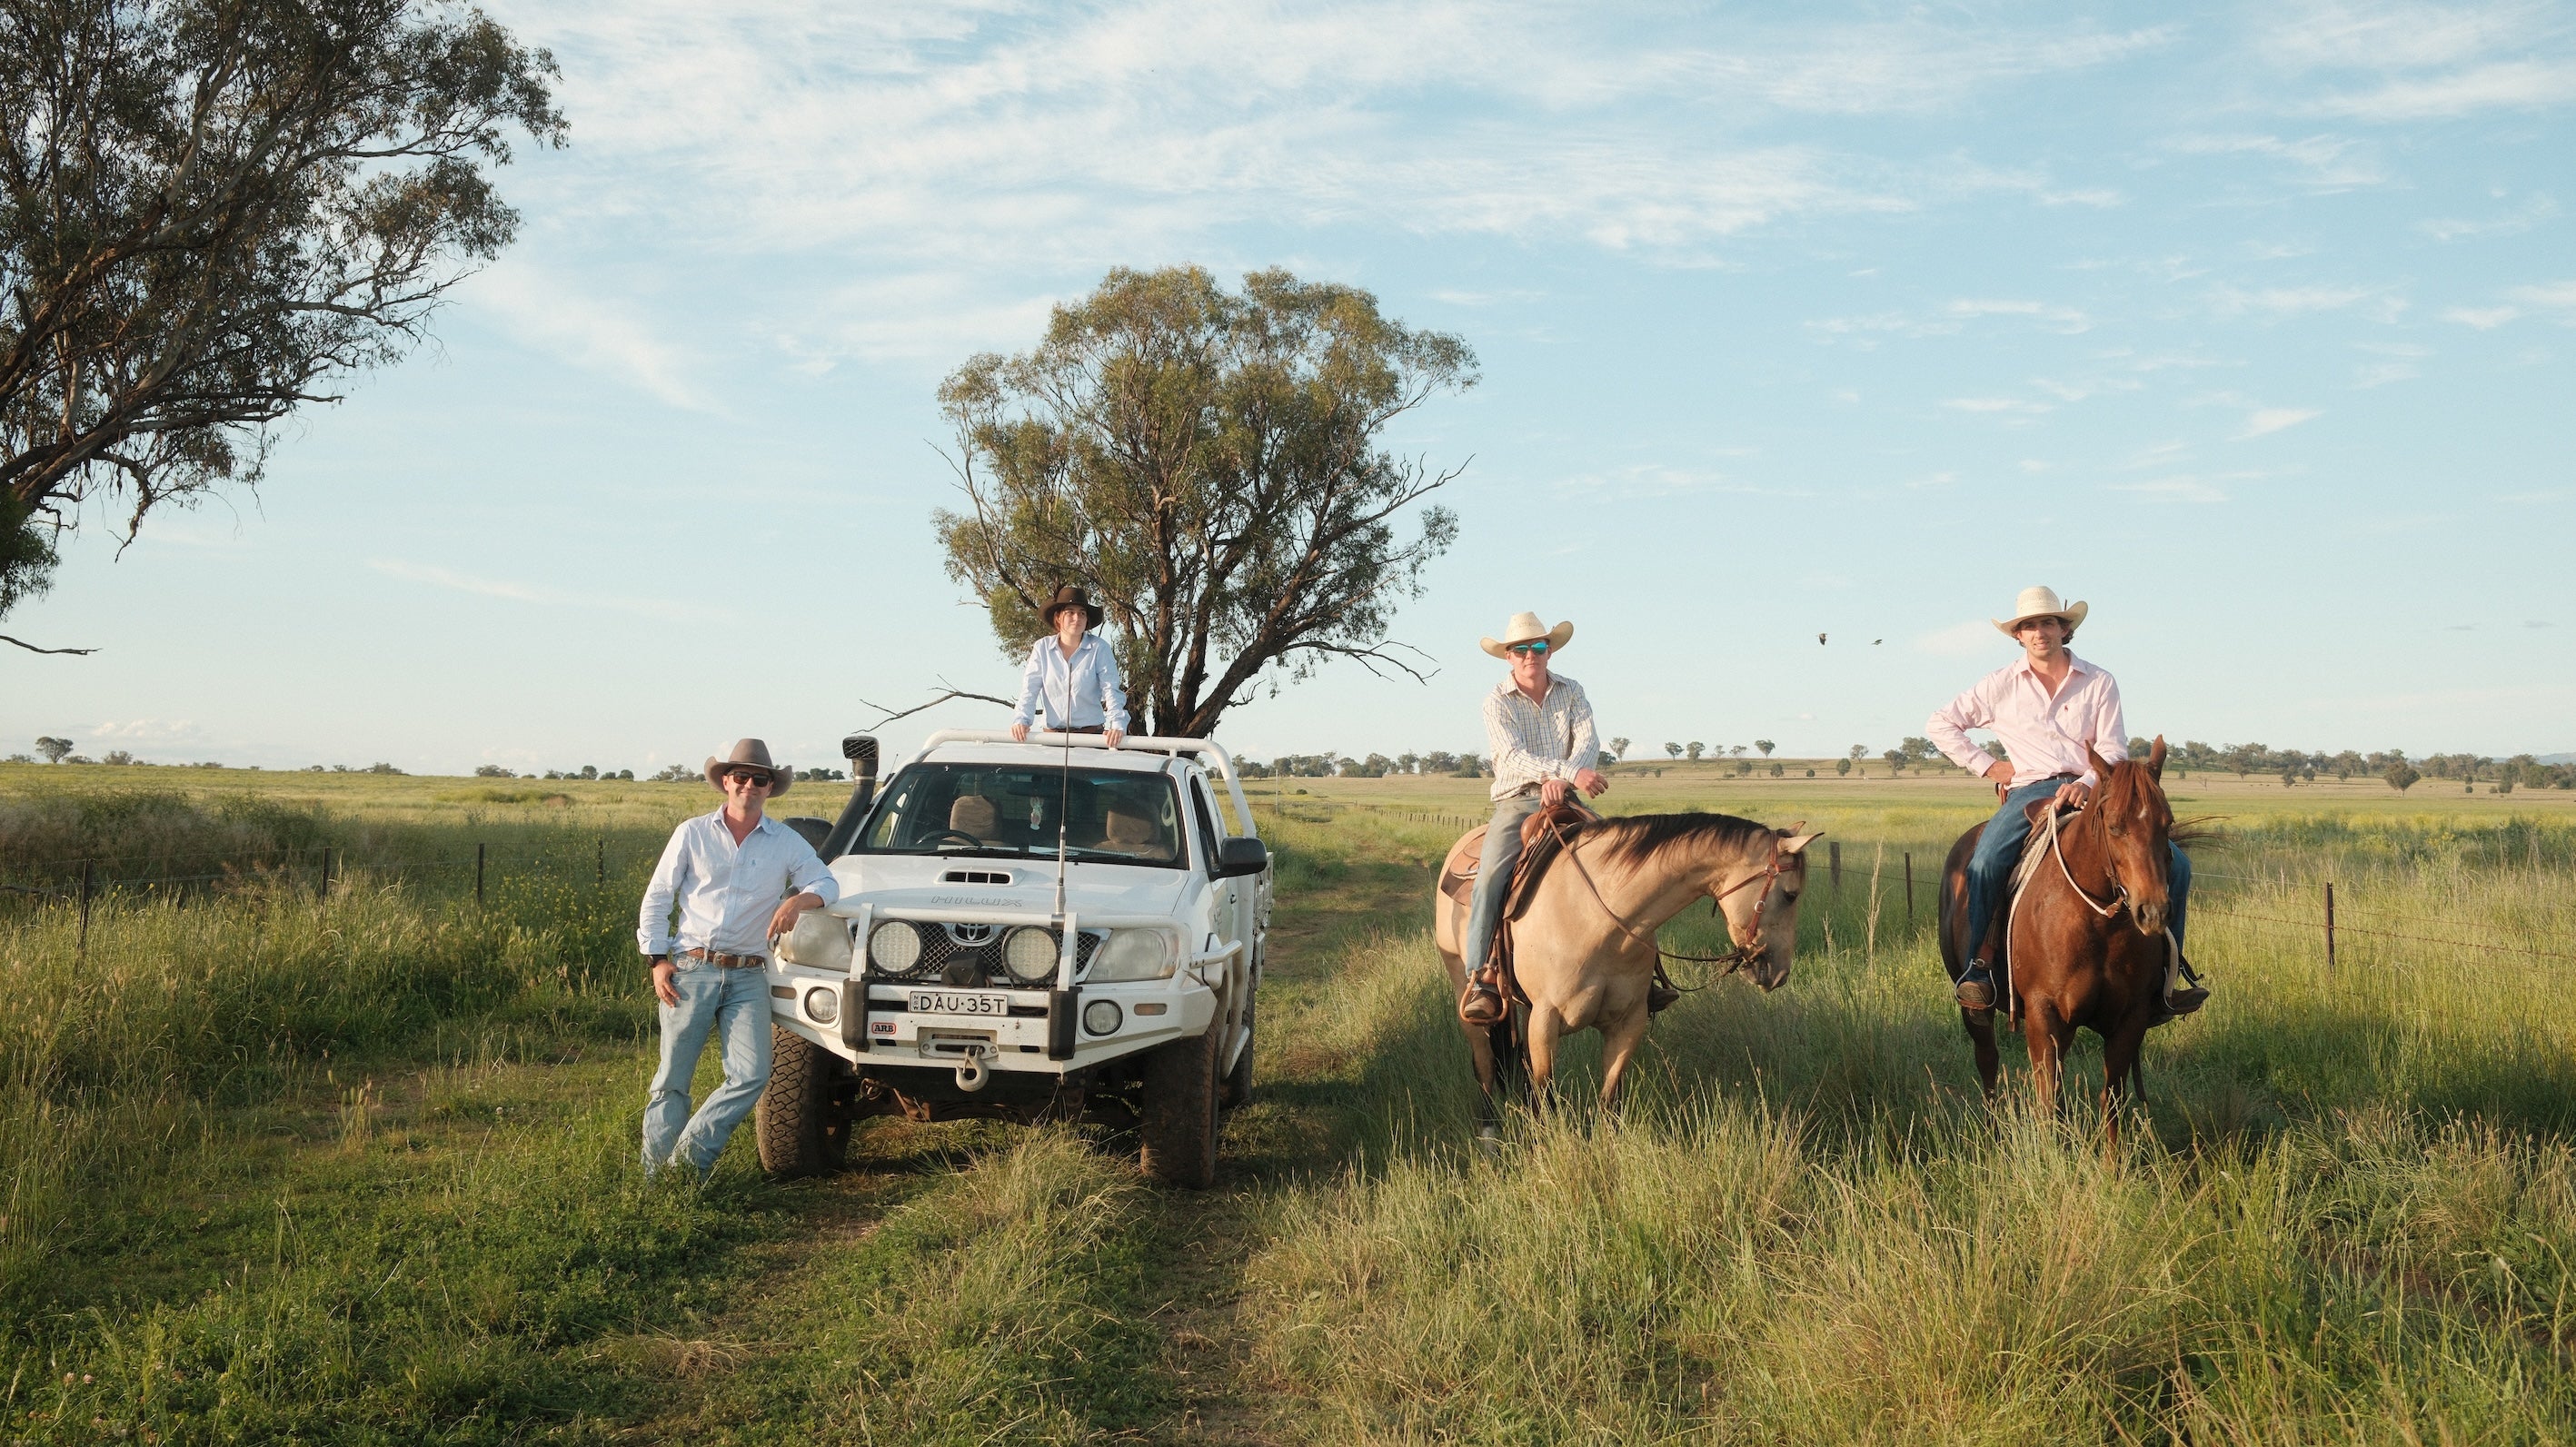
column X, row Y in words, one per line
column 1539, row 847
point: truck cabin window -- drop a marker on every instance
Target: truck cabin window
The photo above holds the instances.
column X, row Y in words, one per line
column 1111, row 815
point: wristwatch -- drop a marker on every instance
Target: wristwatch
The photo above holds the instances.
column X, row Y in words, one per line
column 656, row 961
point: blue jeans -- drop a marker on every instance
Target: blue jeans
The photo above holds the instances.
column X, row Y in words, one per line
column 712, row 1000
column 1999, row 849
column 1494, row 876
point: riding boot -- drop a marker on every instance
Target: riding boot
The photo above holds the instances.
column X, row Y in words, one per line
column 1482, row 1004
column 2192, row 994
column 1660, row 996
column 1976, row 988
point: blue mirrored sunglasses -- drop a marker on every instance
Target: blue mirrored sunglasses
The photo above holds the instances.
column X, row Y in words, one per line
column 1538, row 647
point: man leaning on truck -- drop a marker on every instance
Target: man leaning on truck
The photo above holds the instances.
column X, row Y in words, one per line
column 727, row 871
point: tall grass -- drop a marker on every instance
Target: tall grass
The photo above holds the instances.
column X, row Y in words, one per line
column 2348, row 1214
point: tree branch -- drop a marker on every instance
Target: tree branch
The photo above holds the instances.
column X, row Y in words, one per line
column 950, row 693
column 31, row 648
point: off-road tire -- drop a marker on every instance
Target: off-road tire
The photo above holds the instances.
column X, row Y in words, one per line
column 1179, row 1128
column 1238, row 1081
column 800, row 1129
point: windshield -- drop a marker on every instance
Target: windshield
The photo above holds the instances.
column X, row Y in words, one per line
column 1011, row 809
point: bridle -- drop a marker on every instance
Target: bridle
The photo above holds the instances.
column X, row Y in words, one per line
column 2119, row 888
column 1733, row 960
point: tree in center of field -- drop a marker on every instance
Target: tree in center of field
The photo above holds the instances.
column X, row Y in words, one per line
column 1212, row 467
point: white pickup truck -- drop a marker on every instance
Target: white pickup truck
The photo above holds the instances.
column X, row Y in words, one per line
column 1031, row 931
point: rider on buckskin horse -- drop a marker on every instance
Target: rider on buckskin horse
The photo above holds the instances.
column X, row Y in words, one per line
column 2047, row 707
column 1539, row 729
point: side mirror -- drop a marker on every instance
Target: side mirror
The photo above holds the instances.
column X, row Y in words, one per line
column 1237, row 857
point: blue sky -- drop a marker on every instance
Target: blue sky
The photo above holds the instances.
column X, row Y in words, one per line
column 2249, row 325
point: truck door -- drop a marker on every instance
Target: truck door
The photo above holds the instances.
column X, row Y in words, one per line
column 1232, row 915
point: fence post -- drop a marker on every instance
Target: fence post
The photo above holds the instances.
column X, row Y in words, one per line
column 2330, row 959
column 84, row 901
column 599, row 875
column 1834, row 859
column 325, row 892
column 1909, row 891
column 478, row 874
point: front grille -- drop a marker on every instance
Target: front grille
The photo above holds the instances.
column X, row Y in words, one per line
column 978, row 947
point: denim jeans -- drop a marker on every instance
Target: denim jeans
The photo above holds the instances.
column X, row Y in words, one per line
column 1999, row 849
column 713, row 1000
column 1494, row 876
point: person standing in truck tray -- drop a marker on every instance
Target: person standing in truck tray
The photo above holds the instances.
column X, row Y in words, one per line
column 740, row 880
column 1071, row 682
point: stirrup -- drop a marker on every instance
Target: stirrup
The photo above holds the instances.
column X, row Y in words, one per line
column 1660, row 997
column 1482, row 1004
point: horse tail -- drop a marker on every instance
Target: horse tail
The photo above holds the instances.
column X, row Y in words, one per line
column 1511, row 1055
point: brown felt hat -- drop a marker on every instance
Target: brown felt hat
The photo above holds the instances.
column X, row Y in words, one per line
column 1070, row 596
column 751, row 754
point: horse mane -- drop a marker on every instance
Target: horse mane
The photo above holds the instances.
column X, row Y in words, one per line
column 1634, row 839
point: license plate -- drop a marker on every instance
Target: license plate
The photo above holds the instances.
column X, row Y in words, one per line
column 958, row 1002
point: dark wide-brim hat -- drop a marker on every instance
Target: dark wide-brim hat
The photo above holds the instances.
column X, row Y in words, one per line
column 751, row 754
column 1070, row 596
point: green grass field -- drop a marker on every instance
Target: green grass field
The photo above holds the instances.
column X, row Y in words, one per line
column 358, row 1168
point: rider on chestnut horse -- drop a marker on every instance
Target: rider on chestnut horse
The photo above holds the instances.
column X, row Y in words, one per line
column 2047, row 707
column 1540, row 732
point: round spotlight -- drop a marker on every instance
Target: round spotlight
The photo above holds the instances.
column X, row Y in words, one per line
column 1030, row 955
column 1101, row 1017
column 896, row 947
column 823, row 1004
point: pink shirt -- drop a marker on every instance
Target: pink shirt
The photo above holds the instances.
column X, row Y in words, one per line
column 2043, row 735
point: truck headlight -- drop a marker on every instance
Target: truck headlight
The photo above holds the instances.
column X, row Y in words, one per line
column 895, row 946
column 1135, row 954
column 823, row 1004
column 1030, row 955
column 1101, row 1017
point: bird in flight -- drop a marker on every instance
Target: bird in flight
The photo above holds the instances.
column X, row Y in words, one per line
column 1820, row 640
column 1876, row 641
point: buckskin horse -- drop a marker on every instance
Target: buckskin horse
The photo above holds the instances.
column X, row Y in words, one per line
column 2084, row 941
column 1584, row 936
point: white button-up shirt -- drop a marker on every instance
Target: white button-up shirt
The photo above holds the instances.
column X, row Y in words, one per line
column 727, row 891
column 2044, row 735
column 1078, row 692
column 1535, row 742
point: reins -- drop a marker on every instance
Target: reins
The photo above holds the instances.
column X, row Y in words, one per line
column 1734, row 959
column 2119, row 891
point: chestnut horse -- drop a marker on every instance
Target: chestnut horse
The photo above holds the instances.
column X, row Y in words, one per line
column 1584, row 944
column 2085, row 945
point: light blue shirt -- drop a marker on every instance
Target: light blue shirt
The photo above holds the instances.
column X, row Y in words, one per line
column 1077, row 692
column 727, row 892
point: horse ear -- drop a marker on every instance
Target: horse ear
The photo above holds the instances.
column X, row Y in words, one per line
column 1797, row 843
column 2101, row 766
column 2156, row 760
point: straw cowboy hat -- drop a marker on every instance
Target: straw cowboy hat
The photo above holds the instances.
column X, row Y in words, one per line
column 1070, row 596
column 1525, row 628
column 2041, row 603
column 751, row 754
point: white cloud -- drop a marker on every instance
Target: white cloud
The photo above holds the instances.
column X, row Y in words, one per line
column 1976, row 635
column 2267, row 420
column 2485, row 319
column 548, row 313
column 2380, row 374
column 2172, row 489
column 2009, row 406
column 671, row 610
column 2065, row 319
column 2558, row 297
column 150, row 731
column 2508, row 85
column 2291, row 301
column 1655, row 479
column 2324, row 163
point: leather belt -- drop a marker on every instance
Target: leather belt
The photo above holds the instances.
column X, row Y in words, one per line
column 724, row 961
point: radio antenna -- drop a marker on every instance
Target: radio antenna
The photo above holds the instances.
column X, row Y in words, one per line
column 1063, row 796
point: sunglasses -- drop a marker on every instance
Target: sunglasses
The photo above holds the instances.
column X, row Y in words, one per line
column 1540, row 647
column 753, row 777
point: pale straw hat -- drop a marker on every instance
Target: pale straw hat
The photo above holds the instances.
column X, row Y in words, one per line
column 1525, row 628
column 2038, row 602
